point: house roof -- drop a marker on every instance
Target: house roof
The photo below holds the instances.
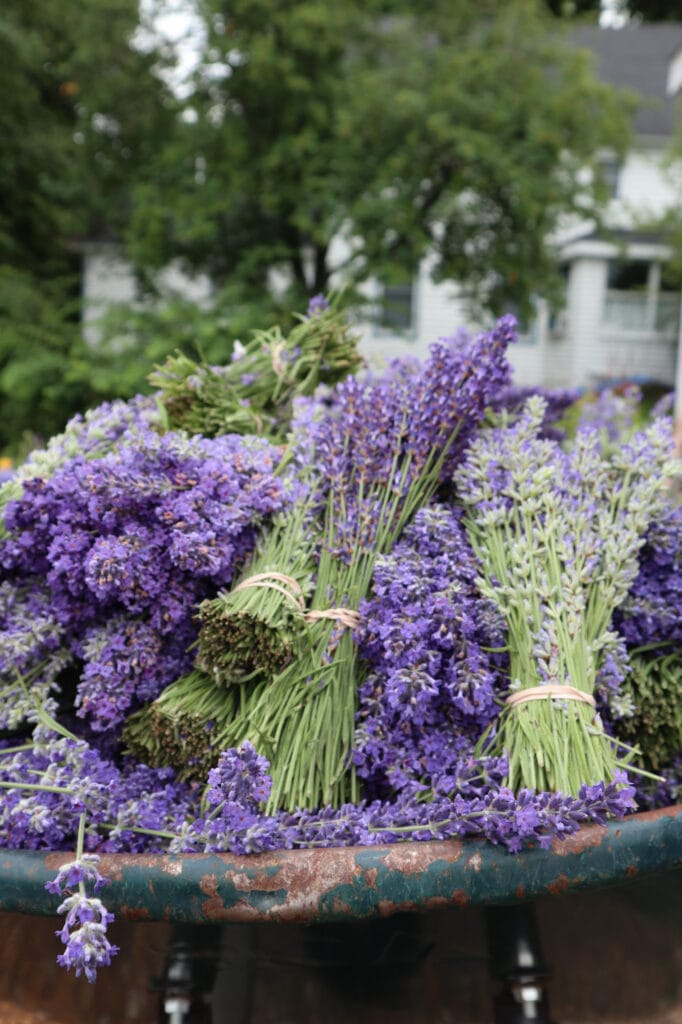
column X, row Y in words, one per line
column 637, row 57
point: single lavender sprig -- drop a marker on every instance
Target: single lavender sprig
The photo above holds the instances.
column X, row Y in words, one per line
column 84, row 933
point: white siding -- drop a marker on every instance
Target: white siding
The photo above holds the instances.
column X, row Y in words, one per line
column 586, row 288
column 109, row 279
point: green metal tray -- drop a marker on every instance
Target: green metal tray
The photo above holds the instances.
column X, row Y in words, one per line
column 355, row 882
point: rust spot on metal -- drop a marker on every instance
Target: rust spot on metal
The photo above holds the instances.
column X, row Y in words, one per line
column 583, row 839
column 213, row 906
column 520, row 892
column 631, row 871
column 475, row 861
column 208, row 884
column 388, row 907
column 415, row 858
column 371, row 875
column 560, row 885
column 134, row 913
column 460, row 897
column 341, row 907
column 172, row 867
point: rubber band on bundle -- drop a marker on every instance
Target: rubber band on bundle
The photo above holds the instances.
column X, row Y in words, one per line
column 550, row 690
column 346, row 616
column 274, row 581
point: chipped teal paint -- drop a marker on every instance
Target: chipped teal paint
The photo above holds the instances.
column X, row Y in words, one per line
column 350, row 883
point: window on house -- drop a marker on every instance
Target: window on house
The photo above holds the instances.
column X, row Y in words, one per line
column 640, row 297
column 397, row 307
column 609, row 170
column 628, row 275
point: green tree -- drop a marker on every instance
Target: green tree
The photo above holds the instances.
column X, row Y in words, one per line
column 81, row 110
column 459, row 131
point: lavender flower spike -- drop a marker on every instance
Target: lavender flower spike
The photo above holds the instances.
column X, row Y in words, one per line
column 85, row 935
column 84, row 932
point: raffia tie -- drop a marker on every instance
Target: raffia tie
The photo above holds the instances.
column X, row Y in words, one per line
column 277, row 363
column 550, row 690
column 278, row 581
column 346, row 616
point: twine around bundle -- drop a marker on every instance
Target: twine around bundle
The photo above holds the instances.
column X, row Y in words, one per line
column 550, row 690
column 274, row 581
column 277, row 363
column 346, row 616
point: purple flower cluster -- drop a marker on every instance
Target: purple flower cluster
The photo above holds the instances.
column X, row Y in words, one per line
column 123, row 547
column 427, row 636
column 72, row 778
column 384, row 434
column 84, row 932
column 652, row 612
column 478, row 805
column 611, row 411
column 557, row 403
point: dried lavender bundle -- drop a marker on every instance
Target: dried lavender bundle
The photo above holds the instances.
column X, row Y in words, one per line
column 254, row 393
column 256, row 628
column 558, row 534
column 654, row 686
column 180, row 728
column 382, row 454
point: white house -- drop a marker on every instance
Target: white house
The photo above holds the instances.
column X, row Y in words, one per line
column 619, row 320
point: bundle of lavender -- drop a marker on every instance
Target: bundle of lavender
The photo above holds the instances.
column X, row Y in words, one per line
column 214, row 644
column 557, row 534
column 254, row 393
column 382, row 454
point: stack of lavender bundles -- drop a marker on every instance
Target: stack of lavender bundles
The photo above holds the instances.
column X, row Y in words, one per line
column 219, row 644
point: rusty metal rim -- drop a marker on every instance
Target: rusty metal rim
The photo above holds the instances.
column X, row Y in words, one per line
column 355, row 882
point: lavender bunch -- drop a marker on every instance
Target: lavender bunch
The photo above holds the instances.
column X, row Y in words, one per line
column 90, row 435
column 470, row 801
column 382, row 453
column 557, row 534
column 254, row 393
column 651, row 614
column 613, row 412
column 120, row 549
column 654, row 686
column 187, row 725
column 558, row 404
column 254, row 630
column 432, row 645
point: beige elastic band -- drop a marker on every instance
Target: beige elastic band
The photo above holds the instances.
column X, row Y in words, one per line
column 550, row 690
column 273, row 581
column 346, row 616
column 278, row 366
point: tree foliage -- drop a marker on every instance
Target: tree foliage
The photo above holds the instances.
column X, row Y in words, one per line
column 457, row 132
column 82, row 110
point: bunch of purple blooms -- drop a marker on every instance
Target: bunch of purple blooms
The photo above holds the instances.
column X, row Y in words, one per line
column 382, row 452
column 116, row 533
column 433, row 646
column 115, row 552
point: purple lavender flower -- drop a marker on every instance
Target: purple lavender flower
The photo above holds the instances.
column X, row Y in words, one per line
column 124, row 547
column 427, row 637
column 85, row 935
column 318, row 304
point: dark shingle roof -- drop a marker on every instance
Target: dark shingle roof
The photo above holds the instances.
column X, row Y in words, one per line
column 637, row 57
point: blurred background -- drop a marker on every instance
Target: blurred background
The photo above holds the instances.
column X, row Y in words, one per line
column 177, row 172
